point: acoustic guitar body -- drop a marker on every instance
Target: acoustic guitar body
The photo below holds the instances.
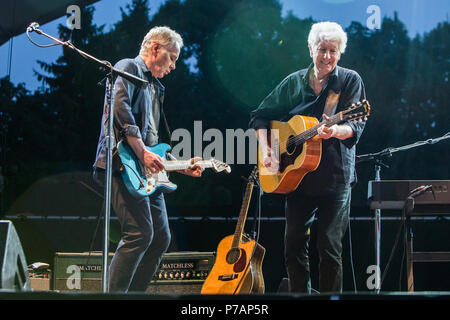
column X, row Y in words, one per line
column 236, row 270
column 295, row 161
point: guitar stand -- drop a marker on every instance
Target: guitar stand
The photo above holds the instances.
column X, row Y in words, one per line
column 377, row 157
column 257, row 217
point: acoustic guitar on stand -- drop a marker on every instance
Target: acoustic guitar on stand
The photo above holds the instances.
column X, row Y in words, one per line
column 237, row 268
column 297, row 150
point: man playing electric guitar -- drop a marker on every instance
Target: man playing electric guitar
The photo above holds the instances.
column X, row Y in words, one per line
column 319, row 91
column 137, row 114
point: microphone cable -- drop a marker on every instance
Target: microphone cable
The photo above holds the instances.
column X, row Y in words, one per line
column 32, row 28
column 351, row 254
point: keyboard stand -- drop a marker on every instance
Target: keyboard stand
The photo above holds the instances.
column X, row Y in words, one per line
column 415, row 256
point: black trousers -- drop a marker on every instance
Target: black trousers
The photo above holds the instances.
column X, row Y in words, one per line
column 145, row 236
column 332, row 212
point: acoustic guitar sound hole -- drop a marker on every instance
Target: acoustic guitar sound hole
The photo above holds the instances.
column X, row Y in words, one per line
column 233, row 255
column 290, row 145
column 292, row 152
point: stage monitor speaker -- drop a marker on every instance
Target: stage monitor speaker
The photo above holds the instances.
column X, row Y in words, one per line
column 13, row 265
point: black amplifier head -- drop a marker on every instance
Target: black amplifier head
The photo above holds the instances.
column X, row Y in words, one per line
column 184, row 266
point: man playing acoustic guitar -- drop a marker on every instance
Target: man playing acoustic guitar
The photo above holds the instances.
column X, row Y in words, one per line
column 320, row 91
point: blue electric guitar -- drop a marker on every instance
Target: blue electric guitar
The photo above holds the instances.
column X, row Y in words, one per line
column 141, row 182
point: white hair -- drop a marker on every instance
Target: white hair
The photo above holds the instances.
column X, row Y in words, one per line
column 162, row 35
column 327, row 31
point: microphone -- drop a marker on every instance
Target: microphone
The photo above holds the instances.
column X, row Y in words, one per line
column 32, row 27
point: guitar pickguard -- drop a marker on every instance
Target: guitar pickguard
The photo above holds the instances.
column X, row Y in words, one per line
column 287, row 159
column 158, row 180
column 138, row 182
column 239, row 266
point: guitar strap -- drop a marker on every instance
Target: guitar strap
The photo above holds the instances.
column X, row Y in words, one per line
column 333, row 95
column 163, row 116
column 166, row 125
column 331, row 103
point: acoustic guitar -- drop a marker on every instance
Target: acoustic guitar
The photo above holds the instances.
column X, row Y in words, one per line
column 141, row 182
column 297, row 149
column 238, row 265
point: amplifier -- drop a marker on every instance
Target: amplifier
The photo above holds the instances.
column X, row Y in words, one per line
column 40, row 275
column 179, row 272
column 78, row 271
column 182, row 272
column 40, row 284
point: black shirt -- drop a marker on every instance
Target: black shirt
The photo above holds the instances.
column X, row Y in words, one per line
column 294, row 96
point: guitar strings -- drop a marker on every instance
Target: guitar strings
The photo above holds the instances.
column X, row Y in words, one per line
column 306, row 135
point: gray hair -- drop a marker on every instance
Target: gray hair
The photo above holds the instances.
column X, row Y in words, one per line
column 327, row 31
column 162, row 35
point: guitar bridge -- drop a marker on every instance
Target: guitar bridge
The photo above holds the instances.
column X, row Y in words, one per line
column 228, row 277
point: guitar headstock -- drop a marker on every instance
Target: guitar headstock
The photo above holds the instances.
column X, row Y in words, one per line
column 219, row 166
column 357, row 111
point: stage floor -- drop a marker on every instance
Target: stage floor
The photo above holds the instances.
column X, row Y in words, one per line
column 6, row 294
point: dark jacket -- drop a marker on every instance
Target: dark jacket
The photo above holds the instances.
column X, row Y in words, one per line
column 136, row 113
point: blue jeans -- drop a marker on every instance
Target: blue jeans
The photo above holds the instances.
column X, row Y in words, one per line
column 332, row 212
column 145, row 236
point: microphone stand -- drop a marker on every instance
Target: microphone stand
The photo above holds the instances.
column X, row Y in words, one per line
column 113, row 74
column 378, row 158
